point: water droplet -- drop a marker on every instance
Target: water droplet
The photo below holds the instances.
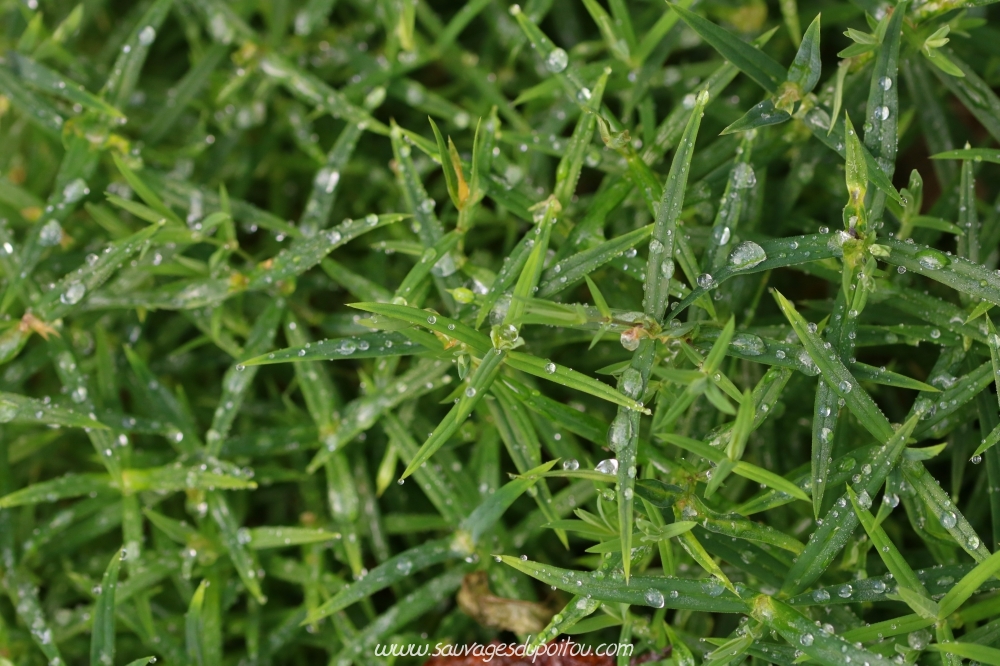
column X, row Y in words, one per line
column 571, row 464
column 470, row 392
column 932, row 260
column 706, row 281
column 619, row 433
column 743, row 176
column 885, row 82
column 654, row 598
column 820, row 596
column 630, row 338
column 609, row 466
column 845, row 591
column 631, row 383
column 748, row 343
column 948, row 519
column 147, row 35
column 845, row 386
column 882, row 113
column 865, row 500
column 75, row 291
column 721, row 235
column 806, row 639
column 746, row 255
column 404, row 566
column 50, row 234
column 75, row 190
column 557, row 61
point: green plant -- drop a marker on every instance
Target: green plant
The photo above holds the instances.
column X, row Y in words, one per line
column 585, row 304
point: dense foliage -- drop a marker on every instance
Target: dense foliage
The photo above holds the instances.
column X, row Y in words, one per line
column 331, row 324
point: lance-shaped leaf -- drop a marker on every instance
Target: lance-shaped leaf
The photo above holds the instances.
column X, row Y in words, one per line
column 941, row 507
column 660, row 263
column 973, row 154
column 754, row 63
column 16, row 408
column 655, row 591
column 102, row 639
column 571, row 379
column 837, row 376
column 838, row 525
column 479, row 384
column 393, row 570
column 218, row 507
column 817, row 642
column 71, row 485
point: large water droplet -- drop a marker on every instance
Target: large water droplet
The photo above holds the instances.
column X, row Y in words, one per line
column 654, row 598
column 619, row 433
column 75, row 190
column 743, row 176
column 609, row 466
column 147, row 35
column 571, row 465
column 806, row 639
column 8, row 410
column 948, row 519
column 74, row 292
column 746, row 255
column 51, row 234
column 557, row 61
column 631, row 383
column 932, row 260
column 748, row 343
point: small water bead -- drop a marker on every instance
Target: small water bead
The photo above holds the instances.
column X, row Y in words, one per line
column 550, row 368
column 655, row 246
column 470, row 392
column 571, row 465
column 557, row 61
column 73, row 294
column 404, row 566
column 900, row 269
column 845, row 591
column 746, row 255
column 706, row 281
column 820, row 596
column 806, row 639
column 885, row 82
column 654, row 598
column 846, row 386
column 609, row 466
column 948, row 519
column 865, row 500
column 973, row 542
column 882, row 113
column 975, row 460
column 721, row 235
